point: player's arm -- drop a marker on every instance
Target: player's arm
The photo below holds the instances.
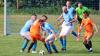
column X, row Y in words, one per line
column 60, row 17
column 44, row 33
column 95, row 26
column 78, row 38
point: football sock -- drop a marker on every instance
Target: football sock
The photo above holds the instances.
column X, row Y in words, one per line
column 24, row 44
column 34, row 46
column 61, row 41
column 90, row 44
column 31, row 45
column 86, row 45
column 64, row 43
column 74, row 33
column 48, row 47
column 54, row 47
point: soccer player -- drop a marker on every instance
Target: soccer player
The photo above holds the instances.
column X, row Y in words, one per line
column 67, row 27
column 79, row 11
column 71, row 11
column 88, row 24
column 48, row 28
column 35, row 33
column 25, row 33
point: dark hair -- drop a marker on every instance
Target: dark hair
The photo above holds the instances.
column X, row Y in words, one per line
column 86, row 12
column 34, row 14
column 79, row 2
column 69, row 0
column 45, row 16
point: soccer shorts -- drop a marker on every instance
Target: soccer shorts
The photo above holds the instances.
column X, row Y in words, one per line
column 50, row 38
column 36, row 37
column 66, row 30
column 26, row 35
column 88, row 35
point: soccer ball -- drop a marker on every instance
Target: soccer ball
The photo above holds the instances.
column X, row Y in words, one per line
column 41, row 52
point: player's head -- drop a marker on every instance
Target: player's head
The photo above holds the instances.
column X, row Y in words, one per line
column 68, row 3
column 44, row 18
column 80, row 4
column 85, row 14
column 64, row 9
column 34, row 17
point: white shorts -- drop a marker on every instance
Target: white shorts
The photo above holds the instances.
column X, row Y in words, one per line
column 50, row 38
column 26, row 35
column 66, row 30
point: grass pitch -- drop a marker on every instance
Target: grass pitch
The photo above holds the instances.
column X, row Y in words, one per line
column 10, row 45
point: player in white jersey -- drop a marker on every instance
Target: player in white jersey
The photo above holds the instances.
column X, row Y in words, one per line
column 67, row 27
column 25, row 33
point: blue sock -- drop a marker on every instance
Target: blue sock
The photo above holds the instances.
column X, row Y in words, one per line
column 54, row 47
column 74, row 33
column 25, row 44
column 48, row 47
column 61, row 41
column 34, row 46
column 64, row 43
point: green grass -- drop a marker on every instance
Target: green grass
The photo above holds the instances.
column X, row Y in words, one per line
column 10, row 45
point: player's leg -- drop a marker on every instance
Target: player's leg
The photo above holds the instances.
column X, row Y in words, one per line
column 54, row 47
column 31, row 45
column 43, row 40
column 74, row 33
column 89, row 36
column 64, row 33
column 24, row 45
column 85, row 43
column 34, row 48
column 50, row 40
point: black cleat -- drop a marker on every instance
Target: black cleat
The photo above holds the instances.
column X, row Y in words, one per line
column 56, row 52
column 90, row 51
column 63, row 50
column 50, row 52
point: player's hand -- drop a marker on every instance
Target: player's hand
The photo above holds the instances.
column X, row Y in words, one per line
column 78, row 37
column 55, row 36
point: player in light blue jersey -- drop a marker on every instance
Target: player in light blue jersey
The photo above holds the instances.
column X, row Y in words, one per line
column 72, row 12
column 25, row 34
column 48, row 28
column 67, row 27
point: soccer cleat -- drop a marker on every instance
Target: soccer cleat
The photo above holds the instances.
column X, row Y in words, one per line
column 34, row 51
column 50, row 52
column 90, row 51
column 63, row 50
column 56, row 52
column 21, row 51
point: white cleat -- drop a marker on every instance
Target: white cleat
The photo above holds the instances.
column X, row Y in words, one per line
column 34, row 51
column 21, row 51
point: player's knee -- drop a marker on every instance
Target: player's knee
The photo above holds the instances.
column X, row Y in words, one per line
column 51, row 43
column 85, row 42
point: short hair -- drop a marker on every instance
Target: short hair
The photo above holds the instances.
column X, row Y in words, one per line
column 86, row 12
column 34, row 14
column 79, row 2
column 69, row 0
column 45, row 16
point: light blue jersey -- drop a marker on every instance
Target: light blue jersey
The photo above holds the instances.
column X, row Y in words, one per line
column 48, row 27
column 71, row 12
column 27, row 26
column 67, row 19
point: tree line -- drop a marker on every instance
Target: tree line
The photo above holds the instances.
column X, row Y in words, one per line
column 49, row 5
